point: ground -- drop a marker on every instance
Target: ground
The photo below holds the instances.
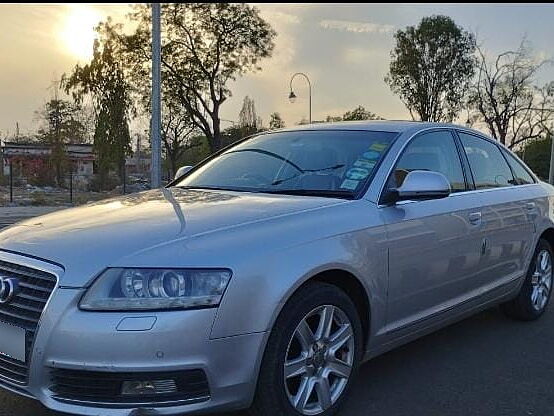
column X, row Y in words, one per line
column 485, row 365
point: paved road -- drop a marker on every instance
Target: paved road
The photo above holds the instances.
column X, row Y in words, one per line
column 485, row 365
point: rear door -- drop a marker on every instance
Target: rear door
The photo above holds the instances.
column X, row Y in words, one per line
column 507, row 228
column 524, row 181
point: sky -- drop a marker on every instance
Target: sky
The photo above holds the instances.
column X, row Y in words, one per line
column 343, row 48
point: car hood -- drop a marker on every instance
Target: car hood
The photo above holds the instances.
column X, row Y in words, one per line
column 86, row 239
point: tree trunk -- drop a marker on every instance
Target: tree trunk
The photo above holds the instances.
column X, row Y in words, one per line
column 216, row 139
column 172, row 164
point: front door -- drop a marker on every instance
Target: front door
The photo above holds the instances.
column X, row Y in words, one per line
column 433, row 243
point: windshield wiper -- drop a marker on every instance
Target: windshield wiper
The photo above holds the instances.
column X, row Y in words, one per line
column 312, row 192
column 215, row 188
column 307, row 192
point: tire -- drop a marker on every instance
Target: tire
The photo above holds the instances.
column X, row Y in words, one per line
column 533, row 298
column 288, row 342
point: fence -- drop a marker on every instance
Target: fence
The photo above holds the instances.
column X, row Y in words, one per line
column 75, row 189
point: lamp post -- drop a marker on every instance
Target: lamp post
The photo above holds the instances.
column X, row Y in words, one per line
column 292, row 95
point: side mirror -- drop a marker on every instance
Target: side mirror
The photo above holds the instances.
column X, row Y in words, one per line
column 420, row 185
column 181, row 171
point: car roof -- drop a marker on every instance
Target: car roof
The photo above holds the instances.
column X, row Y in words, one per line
column 398, row 126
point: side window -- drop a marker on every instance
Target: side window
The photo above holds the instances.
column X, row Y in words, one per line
column 522, row 176
column 435, row 151
column 489, row 168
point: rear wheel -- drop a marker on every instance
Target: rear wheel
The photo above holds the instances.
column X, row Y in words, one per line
column 311, row 356
column 534, row 295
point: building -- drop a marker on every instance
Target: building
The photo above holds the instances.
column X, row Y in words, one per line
column 26, row 158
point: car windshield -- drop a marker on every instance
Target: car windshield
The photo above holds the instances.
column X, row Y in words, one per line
column 331, row 163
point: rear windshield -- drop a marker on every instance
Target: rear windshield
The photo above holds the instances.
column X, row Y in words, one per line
column 320, row 163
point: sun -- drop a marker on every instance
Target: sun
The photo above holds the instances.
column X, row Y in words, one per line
column 77, row 33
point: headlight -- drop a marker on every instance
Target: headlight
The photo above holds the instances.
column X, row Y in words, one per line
column 149, row 289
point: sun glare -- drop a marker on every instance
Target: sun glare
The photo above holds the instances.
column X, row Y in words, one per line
column 77, row 33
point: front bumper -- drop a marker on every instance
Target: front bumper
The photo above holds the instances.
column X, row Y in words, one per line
column 71, row 339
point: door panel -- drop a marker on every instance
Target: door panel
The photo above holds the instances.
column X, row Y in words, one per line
column 433, row 249
column 508, row 213
column 509, row 232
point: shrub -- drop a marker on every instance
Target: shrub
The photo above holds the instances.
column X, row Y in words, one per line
column 99, row 183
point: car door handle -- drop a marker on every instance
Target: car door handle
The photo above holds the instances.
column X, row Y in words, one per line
column 475, row 218
column 530, row 206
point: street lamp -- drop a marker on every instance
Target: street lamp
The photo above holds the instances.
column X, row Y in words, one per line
column 292, row 95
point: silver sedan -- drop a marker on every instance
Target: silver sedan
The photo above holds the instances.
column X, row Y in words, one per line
column 262, row 277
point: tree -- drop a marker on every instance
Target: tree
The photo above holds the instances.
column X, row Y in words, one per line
column 431, row 67
column 105, row 81
column 61, row 127
column 537, row 156
column 249, row 123
column 177, row 134
column 332, row 119
column 275, row 121
column 248, row 118
column 205, row 46
column 505, row 98
column 360, row 113
column 199, row 150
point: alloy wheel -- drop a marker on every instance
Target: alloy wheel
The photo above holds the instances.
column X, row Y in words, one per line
column 541, row 281
column 319, row 360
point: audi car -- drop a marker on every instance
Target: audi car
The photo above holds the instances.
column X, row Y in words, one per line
column 262, row 277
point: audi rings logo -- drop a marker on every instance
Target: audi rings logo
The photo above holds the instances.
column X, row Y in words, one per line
column 8, row 289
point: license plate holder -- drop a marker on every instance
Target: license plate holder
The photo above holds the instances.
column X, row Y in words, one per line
column 12, row 341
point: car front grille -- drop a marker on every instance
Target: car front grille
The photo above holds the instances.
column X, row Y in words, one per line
column 24, row 311
column 104, row 389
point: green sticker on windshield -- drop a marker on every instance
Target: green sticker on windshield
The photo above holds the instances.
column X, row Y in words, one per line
column 366, row 164
column 371, row 155
column 350, row 184
column 378, row 147
column 357, row 173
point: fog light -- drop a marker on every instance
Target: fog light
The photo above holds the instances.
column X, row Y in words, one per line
column 148, row 387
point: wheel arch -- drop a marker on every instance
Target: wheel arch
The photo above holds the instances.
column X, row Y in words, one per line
column 348, row 283
column 548, row 235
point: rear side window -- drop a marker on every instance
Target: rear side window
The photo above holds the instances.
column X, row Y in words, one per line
column 489, row 168
column 434, row 151
column 522, row 176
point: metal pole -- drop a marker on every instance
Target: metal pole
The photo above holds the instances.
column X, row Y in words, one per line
column 71, row 184
column 310, row 93
column 156, row 97
column 11, row 181
column 551, row 173
column 124, row 178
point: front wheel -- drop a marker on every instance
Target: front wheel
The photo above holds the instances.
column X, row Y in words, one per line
column 312, row 355
column 535, row 293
